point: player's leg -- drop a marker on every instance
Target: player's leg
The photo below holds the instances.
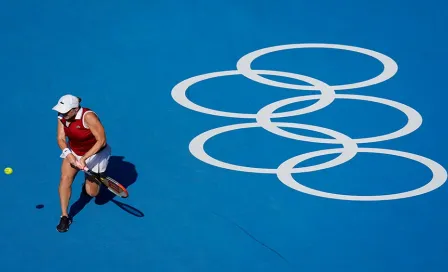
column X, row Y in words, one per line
column 92, row 187
column 98, row 164
column 68, row 174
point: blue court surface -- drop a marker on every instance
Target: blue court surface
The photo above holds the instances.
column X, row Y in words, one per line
column 251, row 135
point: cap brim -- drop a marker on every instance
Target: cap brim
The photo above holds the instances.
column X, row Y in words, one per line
column 60, row 108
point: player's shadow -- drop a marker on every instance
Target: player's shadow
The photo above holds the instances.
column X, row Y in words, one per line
column 120, row 170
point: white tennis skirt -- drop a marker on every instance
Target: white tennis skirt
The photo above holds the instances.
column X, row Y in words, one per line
column 99, row 161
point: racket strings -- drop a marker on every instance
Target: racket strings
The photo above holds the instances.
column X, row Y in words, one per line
column 114, row 186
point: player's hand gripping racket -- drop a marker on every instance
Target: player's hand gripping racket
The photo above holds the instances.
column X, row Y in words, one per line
column 111, row 184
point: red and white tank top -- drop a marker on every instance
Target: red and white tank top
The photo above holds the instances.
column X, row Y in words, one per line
column 80, row 138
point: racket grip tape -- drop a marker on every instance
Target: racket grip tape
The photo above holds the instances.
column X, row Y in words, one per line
column 79, row 166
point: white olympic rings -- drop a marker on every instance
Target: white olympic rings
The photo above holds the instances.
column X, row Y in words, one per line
column 263, row 119
column 244, row 63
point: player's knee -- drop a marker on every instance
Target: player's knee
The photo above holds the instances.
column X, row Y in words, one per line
column 65, row 181
column 92, row 190
column 92, row 193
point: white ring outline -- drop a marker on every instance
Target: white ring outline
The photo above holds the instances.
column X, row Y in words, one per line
column 196, row 148
column 179, row 94
column 244, row 65
column 243, row 68
column 438, row 179
column 413, row 123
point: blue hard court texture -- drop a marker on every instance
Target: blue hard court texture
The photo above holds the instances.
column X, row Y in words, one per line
column 233, row 161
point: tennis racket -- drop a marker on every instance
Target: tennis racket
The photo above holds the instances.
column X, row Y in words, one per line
column 111, row 184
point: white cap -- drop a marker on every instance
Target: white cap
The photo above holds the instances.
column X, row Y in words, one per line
column 66, row 103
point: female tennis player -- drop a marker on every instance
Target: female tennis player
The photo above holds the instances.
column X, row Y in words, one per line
column 82, row 139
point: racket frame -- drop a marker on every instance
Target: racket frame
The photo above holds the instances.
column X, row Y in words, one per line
column 105, row 180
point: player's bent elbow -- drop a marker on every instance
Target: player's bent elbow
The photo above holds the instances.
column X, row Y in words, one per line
column 102, row 142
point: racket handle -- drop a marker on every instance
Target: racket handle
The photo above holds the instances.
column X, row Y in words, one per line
column 79, row 166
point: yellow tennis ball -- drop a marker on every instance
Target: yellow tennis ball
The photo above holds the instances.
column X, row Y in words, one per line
column 8, row 170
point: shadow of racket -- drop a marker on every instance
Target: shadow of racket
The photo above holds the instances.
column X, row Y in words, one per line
column 129, row 209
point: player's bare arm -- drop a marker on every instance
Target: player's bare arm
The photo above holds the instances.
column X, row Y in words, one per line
column 97, row 129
